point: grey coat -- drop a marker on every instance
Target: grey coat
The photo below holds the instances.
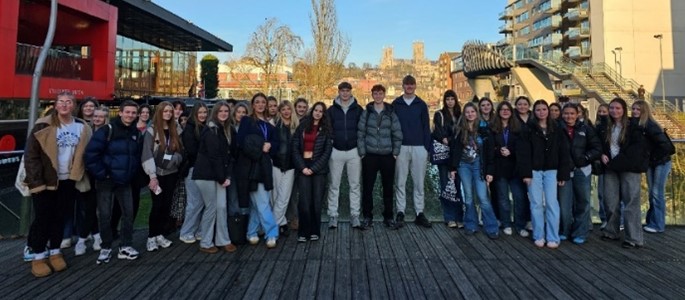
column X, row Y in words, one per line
column 379, row 133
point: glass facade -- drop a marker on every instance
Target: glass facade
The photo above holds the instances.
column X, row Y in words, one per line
column 141, row 69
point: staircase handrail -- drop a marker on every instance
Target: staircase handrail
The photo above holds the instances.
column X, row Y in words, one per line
column 626, row 84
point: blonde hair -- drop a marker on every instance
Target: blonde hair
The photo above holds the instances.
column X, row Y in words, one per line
column 294, row 120
column 645, row 113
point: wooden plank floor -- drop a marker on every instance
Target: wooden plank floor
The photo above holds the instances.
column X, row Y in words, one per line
column 410, row 263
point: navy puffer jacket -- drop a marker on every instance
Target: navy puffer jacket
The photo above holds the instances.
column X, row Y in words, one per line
column 344, row 124
column 114, row 155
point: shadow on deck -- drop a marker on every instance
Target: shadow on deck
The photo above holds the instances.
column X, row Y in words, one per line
column 412, row 263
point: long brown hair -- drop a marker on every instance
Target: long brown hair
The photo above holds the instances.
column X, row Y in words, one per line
column 513, row 122
column 463, row 125
column 226, row 125
column 623, row 121
column 193, row 116
column 158, row 129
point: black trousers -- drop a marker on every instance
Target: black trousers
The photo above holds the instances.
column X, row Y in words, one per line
column 140, row 181
column 87, row 210
column 371, row 165
column 312, row 191
column 50, row 208
column 161, row 205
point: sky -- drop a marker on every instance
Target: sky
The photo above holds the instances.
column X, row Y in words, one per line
column 371, row 25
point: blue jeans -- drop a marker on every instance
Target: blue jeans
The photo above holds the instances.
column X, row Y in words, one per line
column 260, row 214
column 451, row 211
column 470, row 174
column 544, row 206
column 194, row 207
column 574, row 205
column 656, row 183
column 518, row 192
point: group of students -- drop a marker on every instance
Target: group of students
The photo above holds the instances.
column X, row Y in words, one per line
column 278, row 162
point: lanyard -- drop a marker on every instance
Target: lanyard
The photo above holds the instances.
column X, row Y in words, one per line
column 263, row 127
column 505, row 134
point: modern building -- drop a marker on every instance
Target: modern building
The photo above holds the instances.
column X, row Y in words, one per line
column 639, row 40
column 114, row 49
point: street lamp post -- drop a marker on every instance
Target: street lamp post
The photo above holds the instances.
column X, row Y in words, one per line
column 661, row 59
column 620, row 61
column 615, row 63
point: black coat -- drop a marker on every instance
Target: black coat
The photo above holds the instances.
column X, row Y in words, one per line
column 213, row 160
column 585, row 146
column 116, row 154
column 344, row 125
column 660, row 146
column 510, row 166
column 191, row 145
column 485, row 153
column 323, row 146
column 542, row 152
column 634, row 153
column 283, row 158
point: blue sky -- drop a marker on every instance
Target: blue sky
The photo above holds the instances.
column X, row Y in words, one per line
column 443, row 25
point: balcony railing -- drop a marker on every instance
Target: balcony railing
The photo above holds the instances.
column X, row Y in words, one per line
column 60, row 64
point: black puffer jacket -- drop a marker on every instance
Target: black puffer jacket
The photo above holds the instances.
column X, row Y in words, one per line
column 634, row 153
column 213, row 160
column 344, row 124
column 283, row 158
column 661, row 147
column 379, row 133
column 542, row 152
column 585, row 146
column 323, row 146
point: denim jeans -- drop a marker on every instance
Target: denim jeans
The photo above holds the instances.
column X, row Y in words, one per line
column 544, row 206
column 470, row 174
column 518, row 192
column 194, row 207
column 107, row 192
column 574, row 205
column 260, row 214
column 451, row 211
column 656, row 182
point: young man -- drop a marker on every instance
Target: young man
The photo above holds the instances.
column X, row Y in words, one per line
column 113, row 158
column 344, row 115
column 416, row 142
column 379, row 141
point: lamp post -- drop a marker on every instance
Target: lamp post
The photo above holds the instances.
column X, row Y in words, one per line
column 661, row 59
column 620, row 61
column 615, row 63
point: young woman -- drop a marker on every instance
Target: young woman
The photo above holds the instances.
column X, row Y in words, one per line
column 61, row 139
column 507, row 177
column 272, row 109
column 470, row 157
column 522, row 104
column 661, row 149
column 239, row 111
column 301, row 107
column 258, row 143
column 626, row 157
column 601, row 118
column 444, row 124
column 144, row 112
column 486, row 110
column 379, row 137
column 283, row 169
column 546, row 165
column 212, row 173
column 555, row 112
column 162, row 157
column 87, row 109
column 574, row 196
column 190, row 230
column 87, row 222
column 312, row 146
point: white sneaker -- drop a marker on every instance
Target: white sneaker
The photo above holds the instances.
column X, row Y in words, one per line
column 271, row 243
column 80, row 248
column 66, row 243
column 152, row 244
column 540, row 243
column 162, row 241
column 507, row 231
column 105, row 256
column 253, row 240
column 28, row 256
column 198, row 236
column 127, row 253
column 524, row 233
column 188, row 239
column 97, row 242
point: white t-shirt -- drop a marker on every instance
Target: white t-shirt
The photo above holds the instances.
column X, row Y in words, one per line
column 68, row 137
column 408, row 100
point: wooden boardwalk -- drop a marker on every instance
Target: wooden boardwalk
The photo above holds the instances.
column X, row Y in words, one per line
column 411, row 263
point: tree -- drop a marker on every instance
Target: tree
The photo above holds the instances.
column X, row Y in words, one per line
column 325, row 60
column 209, row 74
column 271, row 48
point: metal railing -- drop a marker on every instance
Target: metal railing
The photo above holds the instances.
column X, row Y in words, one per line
column 60, row 64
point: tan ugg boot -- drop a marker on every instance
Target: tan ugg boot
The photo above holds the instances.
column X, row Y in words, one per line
column 57, row 262
column 40, row 268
